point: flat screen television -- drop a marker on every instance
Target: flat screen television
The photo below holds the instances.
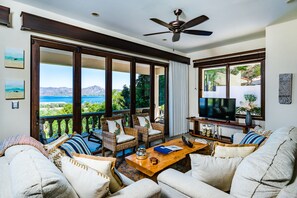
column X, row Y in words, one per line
column 217, row 108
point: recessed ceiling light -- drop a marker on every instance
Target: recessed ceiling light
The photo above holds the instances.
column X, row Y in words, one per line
column 290, row 1
column 164, row 39
column 95, row 14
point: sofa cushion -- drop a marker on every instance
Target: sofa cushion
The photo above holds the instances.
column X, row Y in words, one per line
column 215, row 171
column 252, row 138
column 75, row 144
column 104, row 165
column 154, row 132
column 56, row 143
column 55, row 155
column 33, row 175
column 5, row 184
column 87, row 182
column 11, row 152
column 269, row 169
column 233, row 150
column 124, row 138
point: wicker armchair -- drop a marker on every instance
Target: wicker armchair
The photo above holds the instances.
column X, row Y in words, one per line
column 109, row 140
column 144, row 132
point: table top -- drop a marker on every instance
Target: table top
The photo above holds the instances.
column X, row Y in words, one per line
column 165, row 160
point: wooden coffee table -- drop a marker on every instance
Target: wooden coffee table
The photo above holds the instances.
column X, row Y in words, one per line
column 165, row 160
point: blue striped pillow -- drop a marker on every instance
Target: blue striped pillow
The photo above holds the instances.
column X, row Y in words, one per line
column 252, row 138
column 75, row 144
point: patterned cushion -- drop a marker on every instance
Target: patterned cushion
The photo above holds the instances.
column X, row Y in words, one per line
column 115, row 126
column 145, row 122
column 56, row 143
column 76, row 144
column 55, row 155
column 252, row 138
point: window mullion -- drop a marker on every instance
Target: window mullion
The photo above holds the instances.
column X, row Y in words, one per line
column 227, row 81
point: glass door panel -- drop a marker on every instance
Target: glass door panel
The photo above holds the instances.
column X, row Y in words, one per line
column 160, row 93
column 56, row 92
column 143, row 88
column 121, row 89
column 92, row 92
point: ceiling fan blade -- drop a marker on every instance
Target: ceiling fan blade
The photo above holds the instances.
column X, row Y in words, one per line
column 161, row 22
column 194, row 22
column 198, row 32
column 156, row 33
column 175, row 37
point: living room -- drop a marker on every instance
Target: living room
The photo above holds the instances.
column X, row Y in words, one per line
column 276, row 34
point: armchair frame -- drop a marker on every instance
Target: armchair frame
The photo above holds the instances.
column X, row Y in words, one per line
column 143, row 131
column 109, row 140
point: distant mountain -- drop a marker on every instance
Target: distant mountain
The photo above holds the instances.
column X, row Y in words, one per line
column 65, row 91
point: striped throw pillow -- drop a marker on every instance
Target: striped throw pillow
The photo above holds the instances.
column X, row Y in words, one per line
column 76, row 144
column 252, row 138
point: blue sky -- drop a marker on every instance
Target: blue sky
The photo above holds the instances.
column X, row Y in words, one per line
column 61, row 76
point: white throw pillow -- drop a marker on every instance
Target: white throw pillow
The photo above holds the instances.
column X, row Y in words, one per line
column 87, row 182
column 104, row 165
column 33, row 175
column 217, row 172
column 145, row 122
column 115, row 126
column 233, row 150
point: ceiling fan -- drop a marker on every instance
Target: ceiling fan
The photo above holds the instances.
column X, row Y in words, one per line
column 177, row 27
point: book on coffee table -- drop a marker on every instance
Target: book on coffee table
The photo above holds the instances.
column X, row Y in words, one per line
column 167, row 149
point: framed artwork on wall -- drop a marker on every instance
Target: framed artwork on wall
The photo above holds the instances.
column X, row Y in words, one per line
column 14, row 89
column 14, row 58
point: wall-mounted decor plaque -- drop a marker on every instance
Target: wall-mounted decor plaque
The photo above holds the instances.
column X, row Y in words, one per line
column 285, row 88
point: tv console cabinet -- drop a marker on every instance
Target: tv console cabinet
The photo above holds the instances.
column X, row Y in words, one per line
column 197, row 132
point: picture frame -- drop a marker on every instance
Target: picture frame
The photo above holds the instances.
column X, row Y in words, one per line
column 14, row 89
column 14, row 58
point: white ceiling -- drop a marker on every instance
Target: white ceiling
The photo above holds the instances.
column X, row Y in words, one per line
column 230, row 20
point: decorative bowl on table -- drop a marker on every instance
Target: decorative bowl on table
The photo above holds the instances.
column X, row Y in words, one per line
column 141, row 154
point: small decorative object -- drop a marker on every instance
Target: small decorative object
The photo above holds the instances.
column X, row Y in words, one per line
column 14, row 58
column 141, row 154
column 248, row 118
column 209, row 131
column 14, row 89
column 285, row 88
column 154, row 160
column 249, row 104
column 203, row 130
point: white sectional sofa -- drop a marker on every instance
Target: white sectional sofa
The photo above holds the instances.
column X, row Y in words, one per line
column 270, row 171
column 25, row 172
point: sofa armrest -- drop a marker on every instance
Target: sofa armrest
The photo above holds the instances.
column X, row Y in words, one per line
column 237, row 137
column 177, row 184
column 142, row 188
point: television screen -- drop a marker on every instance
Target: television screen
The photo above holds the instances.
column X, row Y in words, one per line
column 217, row 108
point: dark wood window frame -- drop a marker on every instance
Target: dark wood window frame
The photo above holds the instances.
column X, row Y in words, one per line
column 4, row 16
column 78, row 50
column 231, row 60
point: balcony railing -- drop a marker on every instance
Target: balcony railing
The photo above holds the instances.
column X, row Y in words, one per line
column 60, row 124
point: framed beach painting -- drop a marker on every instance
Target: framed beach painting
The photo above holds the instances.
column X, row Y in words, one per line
column 14, row 89
column 14, row 58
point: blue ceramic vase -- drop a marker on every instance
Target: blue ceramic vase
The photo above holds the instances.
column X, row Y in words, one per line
column 248, row 118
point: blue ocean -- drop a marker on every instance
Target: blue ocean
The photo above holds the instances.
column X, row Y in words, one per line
column 68, row 99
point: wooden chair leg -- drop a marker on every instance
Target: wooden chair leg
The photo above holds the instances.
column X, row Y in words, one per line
column 146, row 144
column 114, row 154
column 103, row 152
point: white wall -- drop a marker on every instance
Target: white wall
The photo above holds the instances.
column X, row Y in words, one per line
column 222, row 50
column 281, row 57
column 18, row 121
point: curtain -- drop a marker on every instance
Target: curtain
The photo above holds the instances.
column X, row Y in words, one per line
column 178, row 98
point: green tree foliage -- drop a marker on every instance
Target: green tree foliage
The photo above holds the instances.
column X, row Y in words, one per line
column 126, row 95
column 118, row 102
column 248, row 72
column 143, row 91
column 161, row 90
